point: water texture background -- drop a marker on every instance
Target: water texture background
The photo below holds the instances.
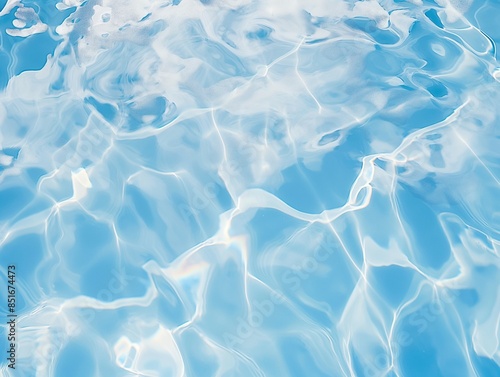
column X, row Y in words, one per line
column 251, row 188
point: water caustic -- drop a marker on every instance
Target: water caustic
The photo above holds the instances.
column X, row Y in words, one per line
column 251, row 188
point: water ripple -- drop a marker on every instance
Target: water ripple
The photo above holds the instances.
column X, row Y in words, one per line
column 252, row 188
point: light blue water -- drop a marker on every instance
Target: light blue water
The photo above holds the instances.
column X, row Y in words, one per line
column 251, row 188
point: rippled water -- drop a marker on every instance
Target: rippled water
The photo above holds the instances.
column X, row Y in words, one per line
column 251, row 188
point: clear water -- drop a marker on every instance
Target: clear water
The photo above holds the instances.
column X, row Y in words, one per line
column 251, row 188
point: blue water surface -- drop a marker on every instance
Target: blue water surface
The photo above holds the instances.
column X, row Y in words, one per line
column 244, row 188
